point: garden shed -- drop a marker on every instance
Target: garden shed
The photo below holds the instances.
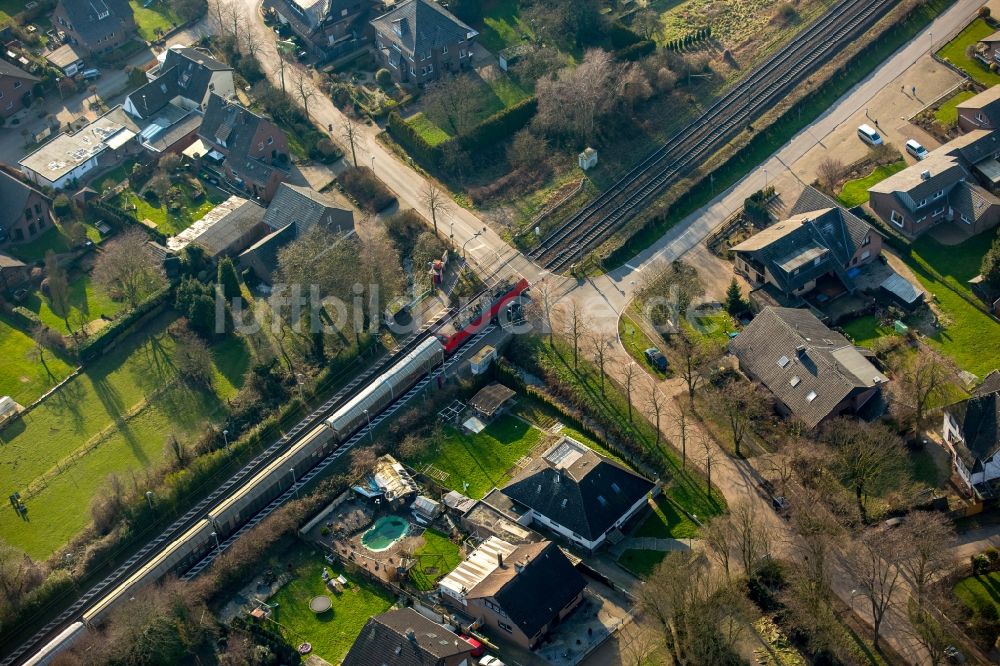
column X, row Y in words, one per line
column 491, row 400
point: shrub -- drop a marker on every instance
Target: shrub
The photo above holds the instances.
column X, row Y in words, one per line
column 383, row 77
column 97, row 343
column 412, row 142
column 370, row 193
column 621, row 35
column 980, row 564
column 62, row 206
column 984, row 12
column 500, row 126
column 636, row 51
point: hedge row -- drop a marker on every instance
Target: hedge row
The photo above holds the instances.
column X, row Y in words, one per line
column 501, row 125
column 636, row 51
column 97, row 343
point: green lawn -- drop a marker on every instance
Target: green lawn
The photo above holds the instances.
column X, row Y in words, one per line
column 430, row 132
column 84, row 297
column 502, row 25
column 10, row 8
column 23, row 377
column 641, row 562
column 665, row 522
column 158, row 15
column 493, row 96
column 968, row 335
column 113, row 418
column 947, row 113
column 865, row 330
column 53, row 239
column 979, row 591
column 437, row 557
column 636, row 342
column 484, row 460
column 924, row 468
column 855, row 192
column 332, row 633
column 170, row 222
column 715, row 326
column 954, row 52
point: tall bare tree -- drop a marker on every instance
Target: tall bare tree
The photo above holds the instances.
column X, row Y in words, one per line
column 349, row 132
column 753, row 536
column 304, row 89
column 925, row 537
column 127, row 266
column 629, row 371
column 682, row 414
column 58, row 287
column 921, row 378
column 708, row 447
column 874, row 561
column 866, row 456
column 657, row 402
column 454, row 102
column 435, row 199
column 600, row 344
column 742, row 405
column 696, row 355
column 830, row 171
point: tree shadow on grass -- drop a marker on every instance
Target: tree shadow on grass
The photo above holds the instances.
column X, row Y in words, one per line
column 68, row 402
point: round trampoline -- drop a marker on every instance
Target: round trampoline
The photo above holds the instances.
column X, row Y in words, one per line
column 320, row 604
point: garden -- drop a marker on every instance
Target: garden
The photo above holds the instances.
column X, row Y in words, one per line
column 153, row 19
column 25, row 376
column 436, row 557
column 956, row 52
column 331, row 633
column 855, row 192
column 947, row 112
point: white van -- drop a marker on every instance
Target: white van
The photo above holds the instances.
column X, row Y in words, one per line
column 914, row 148
column 867, row 134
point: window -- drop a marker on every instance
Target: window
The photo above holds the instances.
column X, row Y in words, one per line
column 923, row 202
column 31, row 229
column 17, row 84
column 506, row 627
column 27, row 214
column 412, row 73
column 783, row 362
column 939, row 194
column 795, row 381
column 38, row 210
column 896, row 218
column 270, row 140
column 430, row 69
column 866, row 241
column 810, row 396
column 939, row 211
column 444, row 49
column 18, row 234
column 461, row 53
column 343, row 12
column 865, row 255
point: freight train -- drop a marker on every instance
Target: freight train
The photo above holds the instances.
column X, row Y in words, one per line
column 227, row 517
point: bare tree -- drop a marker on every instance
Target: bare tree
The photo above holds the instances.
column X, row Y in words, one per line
column 719, row 536
column 600, row 343
column 576, row 327
column 304, row 89
column 18, row 576
column 753, row 536
column 572, row 102
column 435, row 199
column 921, row 379
column 647, row 22
column 656, row 403
column 708, row 446
column 545, row 304
column 866, row 456
column 742, row 405
column 696, row 355
column 58, row 288
column 453, row 102
column 830, row 170
column 629, row 371
column 873, row 560
column 362, row 462
column 925, row 537
column 126, row 266
column 349, row 132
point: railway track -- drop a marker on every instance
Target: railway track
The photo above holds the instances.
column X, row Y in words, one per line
column 232, row 485
column 706, row 134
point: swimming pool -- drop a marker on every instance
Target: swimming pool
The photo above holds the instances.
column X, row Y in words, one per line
column 385, row 532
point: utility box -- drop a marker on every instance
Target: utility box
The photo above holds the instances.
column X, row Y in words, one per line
column 587, row 159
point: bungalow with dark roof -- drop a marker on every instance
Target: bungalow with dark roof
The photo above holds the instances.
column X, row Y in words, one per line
column 578, row 494
column 15, row 88
column 417, row 40
column 520, row 592
column 814, row 373
column 404, row 637
column 971, row 430
column 97, row 26
column 253, row 150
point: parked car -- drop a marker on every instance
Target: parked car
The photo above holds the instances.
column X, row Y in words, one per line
column 914, row 148
column 656, row 359
column 490, row 660
column 91, row 74
column 954, row 655
column 868, row 134
column 478, row 649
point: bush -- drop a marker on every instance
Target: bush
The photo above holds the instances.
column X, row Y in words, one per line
column 62, row 206
column 636, row 51
column 499, row 127
column 622, row 36
column 412, row 142
column 980, row 564
column 370, row 193
column 383, row 77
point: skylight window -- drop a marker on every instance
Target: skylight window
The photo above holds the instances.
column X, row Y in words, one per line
column 795, row 381
column 783, row 362
column 811, row 396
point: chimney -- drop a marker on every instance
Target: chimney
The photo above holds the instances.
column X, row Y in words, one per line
column 801, row 350
column 500, row 560
column 519, row 567
column 411, row 634
column 925, row 174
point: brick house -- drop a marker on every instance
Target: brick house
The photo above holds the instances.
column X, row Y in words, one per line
column 329, row 28
column 795, row 254
column 15, row 88
column 96, row 26
column 418, row 40
column 518, row 592
column 251, row 151
column 971, row 431
column 404, row 637
column 26, row 212
column 981, row 111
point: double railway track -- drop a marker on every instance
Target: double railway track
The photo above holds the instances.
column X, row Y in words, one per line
column 708, row 133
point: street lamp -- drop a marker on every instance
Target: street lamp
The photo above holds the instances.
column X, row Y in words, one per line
column 371, row 435
column 294, row 482
column 149, row 498
column 373, row 165
column 474, row 236
column 215, row 535
column 452, row 230
column 225, row 437
column 765, row 182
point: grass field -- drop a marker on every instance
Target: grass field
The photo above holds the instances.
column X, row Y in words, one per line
column 855, row 192
column 113, row 418
column 666, row 521
column 332, row 633
column 641, row 562
column 979, row 591
column 636, row 342
column 969, row 336
column 954, row 52
column 493, row 95
column 53, row 239
column 83, row 297
column 484, row 460
column 437, row 557
column 502, row 25
column 947, row 113
column 10, row 8
column 865, row 330
column 23, row 377
column 171, row 222
column 430, row 132
column 158, row 15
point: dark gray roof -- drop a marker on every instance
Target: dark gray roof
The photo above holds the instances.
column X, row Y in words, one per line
column 404, row 637
column 975, row 146
column 987, row 101
column 232, row 127
column 305, row 208
column 910, row 186
column 808, row 367
column 167, row 137
column 536, row 582
column 423, row 25
column 185, row 73
column 990, row 384
column 192, row 59
column 262, row 256
column 14, row 194
column 93, row 20
column 971, row 200
column 857, row 229
column 7, row 69
column 578, row 489
column 979, row 419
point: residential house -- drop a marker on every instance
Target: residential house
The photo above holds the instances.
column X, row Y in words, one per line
column 228, row 229
column 404, row 637
column 67, row 59
column 981, row 111
column 292, row 212
column 971, row 430
column 13, row 272
column 169, row 108
column 15, row 89
column 67, row 159
column 26, row 212
column 417, row 40
column 941, row 189
column 329, row 28
column 823, row 245
column 579, row 494
column 813, row 372
column 989, row 47
column 518, row 592
column 251, row 150
column 96, row 26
